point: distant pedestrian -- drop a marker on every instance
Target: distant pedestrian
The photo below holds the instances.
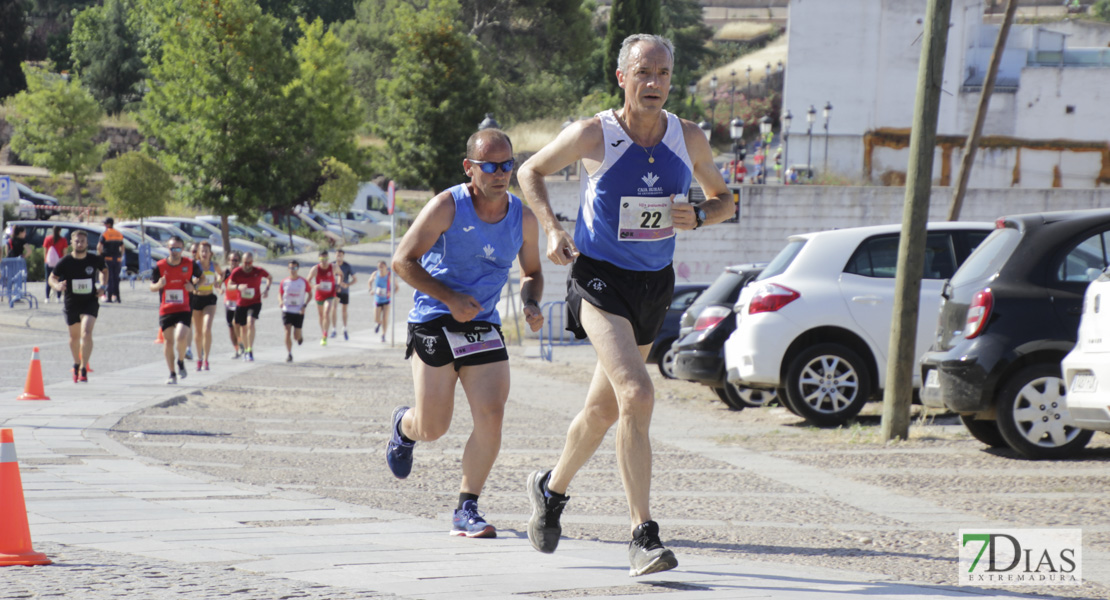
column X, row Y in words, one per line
column 111, row 248
column 174, row 279
column 75, row 277
column 204, row 302
column 231, row 300
column 293, row 293
column 17, row 244
column 322, row 279
column 248, row 279
column 54, row 248
column 381, row 286
column 346, row 278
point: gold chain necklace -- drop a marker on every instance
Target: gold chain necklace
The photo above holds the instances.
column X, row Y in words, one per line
column 651, row 155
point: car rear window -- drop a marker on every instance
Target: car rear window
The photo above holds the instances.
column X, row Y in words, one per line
column 1085, row 262
column 724, row 290
column 782, row 260
column 989, row 257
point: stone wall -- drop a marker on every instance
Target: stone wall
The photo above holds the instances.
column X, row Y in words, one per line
column 121, row 140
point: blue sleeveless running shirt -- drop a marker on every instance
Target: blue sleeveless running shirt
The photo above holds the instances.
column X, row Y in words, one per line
column 625, row 216
column 472, row 257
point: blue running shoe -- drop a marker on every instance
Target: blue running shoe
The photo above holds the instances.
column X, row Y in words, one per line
column 398, row 454
column 468, row 522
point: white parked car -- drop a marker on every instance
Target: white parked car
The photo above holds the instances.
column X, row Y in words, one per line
column 1087, row 367
column 200, row 230
column 815, row 324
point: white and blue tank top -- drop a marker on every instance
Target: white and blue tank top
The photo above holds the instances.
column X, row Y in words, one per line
column 624, row 217
column 471, row 257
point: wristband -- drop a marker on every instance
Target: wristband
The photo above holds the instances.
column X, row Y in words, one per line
column 531, row 302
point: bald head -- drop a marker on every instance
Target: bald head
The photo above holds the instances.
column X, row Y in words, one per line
column 484, row 138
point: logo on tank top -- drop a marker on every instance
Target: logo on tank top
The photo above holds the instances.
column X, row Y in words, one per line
column 616, row 143
column 489, row 250
column 468, row 229
column 650, row 180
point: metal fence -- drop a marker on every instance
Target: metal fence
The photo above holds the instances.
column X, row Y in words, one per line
column 554, row 320
column 13, row 282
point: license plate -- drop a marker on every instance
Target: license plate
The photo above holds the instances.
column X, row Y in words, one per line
column 932, row 379
column 1084, row 383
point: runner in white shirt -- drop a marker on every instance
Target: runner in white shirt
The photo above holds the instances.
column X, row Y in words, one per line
column 294, row 298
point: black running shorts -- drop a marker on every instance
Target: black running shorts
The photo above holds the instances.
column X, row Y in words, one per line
column 241, row 313
column 344, row 297
column 294, row 319
column 641, row 297
column 74, row 310
column 430, row 342
column 171, row 320
column 201, row 302
column 230, row 316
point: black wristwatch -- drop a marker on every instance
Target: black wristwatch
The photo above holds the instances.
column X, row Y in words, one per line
column 699, row 216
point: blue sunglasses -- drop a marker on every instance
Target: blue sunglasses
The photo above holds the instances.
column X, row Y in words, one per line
column 490, row 168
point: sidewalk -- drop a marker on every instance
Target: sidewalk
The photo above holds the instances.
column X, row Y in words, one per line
column 86, row 492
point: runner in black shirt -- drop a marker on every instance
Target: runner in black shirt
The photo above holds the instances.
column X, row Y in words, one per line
column 75, row 276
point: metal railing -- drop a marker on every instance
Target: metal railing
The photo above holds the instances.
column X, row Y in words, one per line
column 548, row 339
column 13, row 282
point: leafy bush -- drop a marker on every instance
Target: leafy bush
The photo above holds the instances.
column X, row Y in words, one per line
column 1101, row 10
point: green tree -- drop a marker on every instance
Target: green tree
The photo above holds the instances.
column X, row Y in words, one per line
column 435, row 100
column 289, row 12
column 338, row 194
column 370, row 55
column 684, row 26
column 217, row 109
column 136, row 186
column 105, row 51
column 13, row 47
column 56, row 121
column 1101, row 10
column 626, row 18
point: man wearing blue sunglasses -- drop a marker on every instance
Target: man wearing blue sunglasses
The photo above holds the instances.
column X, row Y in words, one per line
column 639, row 161
column 457, row 256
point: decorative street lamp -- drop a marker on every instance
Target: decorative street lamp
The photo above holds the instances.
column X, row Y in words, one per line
column 706, row 129
column 826, row 113
column 713, row 100
column 749, row 96
column 786, row 120
column 489, row 122
column 767, row 77
column 732, row 95
column 736, row 132
column 764, row 133
column 811, row 116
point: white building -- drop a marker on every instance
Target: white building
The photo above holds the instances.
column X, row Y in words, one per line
column 1048, row 125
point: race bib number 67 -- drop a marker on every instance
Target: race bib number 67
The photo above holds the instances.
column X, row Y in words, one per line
column 645, row 219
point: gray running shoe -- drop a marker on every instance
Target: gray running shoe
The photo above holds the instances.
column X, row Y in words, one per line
column 646, row 551
column 543, row 528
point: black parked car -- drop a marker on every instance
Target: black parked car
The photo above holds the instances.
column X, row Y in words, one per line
column 661, row 354
column 1008, row 317
column 700, row 350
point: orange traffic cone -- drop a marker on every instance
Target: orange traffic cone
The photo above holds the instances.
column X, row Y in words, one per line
column 32, row 389
column 161, row 339
column 15, row 535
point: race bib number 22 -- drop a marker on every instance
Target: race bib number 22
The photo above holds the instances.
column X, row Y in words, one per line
column 645, row 219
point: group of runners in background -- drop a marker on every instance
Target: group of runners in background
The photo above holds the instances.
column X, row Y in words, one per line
column 189, row 292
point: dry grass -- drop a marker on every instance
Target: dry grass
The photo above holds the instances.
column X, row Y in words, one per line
column 120, row 121
column 771, row 55
column 743, row 31
column 533, row 135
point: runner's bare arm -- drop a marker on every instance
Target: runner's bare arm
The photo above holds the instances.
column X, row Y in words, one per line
column 718, row 205
column 531, row 274
column 582, row 139
column 433, row 220
column 56, row 283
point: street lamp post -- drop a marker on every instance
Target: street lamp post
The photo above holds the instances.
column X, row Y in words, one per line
column 764, row 130
column 826, row 113
column 767, row 79
column 736, row 132
column 811, row 116
column 713, row 100
column 786, row 120
column 732, row 96
column 749, row 96
column 706, row 129
column 489, row 122
column 693, row 90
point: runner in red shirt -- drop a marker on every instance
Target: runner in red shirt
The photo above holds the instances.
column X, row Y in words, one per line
column 231, row 300
column 174, row 278
column 54, row 248
column 248, row 280
column 322, row 278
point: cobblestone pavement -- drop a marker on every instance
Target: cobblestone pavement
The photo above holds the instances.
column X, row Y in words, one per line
column 754, row 484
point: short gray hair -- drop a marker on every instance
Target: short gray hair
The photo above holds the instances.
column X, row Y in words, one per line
column 626, row 47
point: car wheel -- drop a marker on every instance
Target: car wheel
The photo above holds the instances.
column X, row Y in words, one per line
column 1033, row 414
column 827, row 384
column 727, row 399
column 666, row 361
column 747, row 397
column 984, row 430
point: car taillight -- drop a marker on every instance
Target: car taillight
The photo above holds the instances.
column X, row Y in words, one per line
column 770, row 297
column 979, row 313
column 710, row 317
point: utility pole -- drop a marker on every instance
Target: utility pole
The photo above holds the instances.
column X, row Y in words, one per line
column 972, row 144
column 911, row 246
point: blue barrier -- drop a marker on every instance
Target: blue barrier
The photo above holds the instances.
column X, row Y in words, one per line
column 146, row 266
column 547, row 333
column 13, row 282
